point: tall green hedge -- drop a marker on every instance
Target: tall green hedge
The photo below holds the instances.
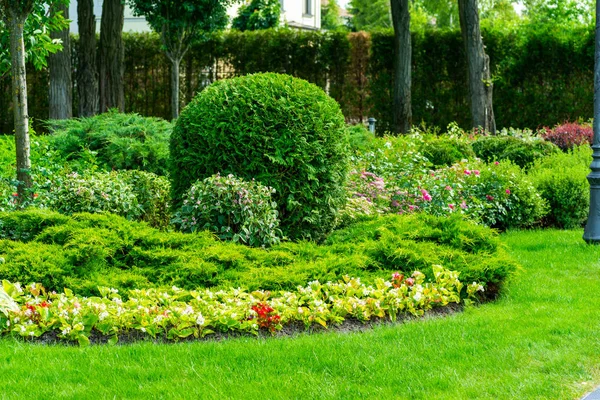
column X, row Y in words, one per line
column 542, row 76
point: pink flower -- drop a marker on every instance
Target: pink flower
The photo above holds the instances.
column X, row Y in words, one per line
column 507, row 191
column 496, row 163
column 409, row 281
column 451, row 207
column 411, row 207
column 463, row 205
column 490, row 198
column 467, row 172
column 476, row 172
column 426, row 195
column 448, row 188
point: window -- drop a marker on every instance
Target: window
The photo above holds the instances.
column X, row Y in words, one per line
column 308, row 7
column 282, row 6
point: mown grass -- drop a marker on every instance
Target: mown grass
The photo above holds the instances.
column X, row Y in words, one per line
column 539, row 341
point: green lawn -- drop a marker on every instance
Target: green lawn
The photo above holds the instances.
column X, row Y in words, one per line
column 540, row 341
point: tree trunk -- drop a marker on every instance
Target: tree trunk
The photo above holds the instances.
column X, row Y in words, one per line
column 60, row 95
column 175, row 87
column 19, row 88
column 479, row 75
column 189, row 77
column 402, row 66
column 112, row 93
column 87, row 69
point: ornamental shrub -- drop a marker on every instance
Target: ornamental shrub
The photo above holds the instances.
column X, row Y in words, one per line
column 561, row 181
column 569, row 135
column 233, row 209
column 153, row 196
column 445, row 151
column 282, row 131
column 84, row 251
column 118, row 141
column 95, row 193
column 522, row 152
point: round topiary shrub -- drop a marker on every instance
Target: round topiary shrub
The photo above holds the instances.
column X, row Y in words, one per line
column 282, row 131
column 233, row 209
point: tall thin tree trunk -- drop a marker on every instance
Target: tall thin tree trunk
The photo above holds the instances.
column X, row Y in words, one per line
column 175, row 87
column 479, row 75
column 112, row 93
column 19, row 88
column 60, row 95
column 189, row 77
column 402, row 66
column 87, row 69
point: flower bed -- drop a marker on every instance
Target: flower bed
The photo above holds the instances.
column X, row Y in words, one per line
column 177, row 314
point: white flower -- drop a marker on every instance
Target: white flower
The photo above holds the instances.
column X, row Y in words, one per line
column 200, row 320
column 418, row 296
column 300, row 310
column 66, row 331
column 102, row 315
column 188, row 310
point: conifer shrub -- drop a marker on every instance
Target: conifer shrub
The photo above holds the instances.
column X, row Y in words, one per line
column 84, row 251
column 520, row 151
column 282, row 131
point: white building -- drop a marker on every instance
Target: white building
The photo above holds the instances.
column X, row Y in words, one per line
column 302, row 14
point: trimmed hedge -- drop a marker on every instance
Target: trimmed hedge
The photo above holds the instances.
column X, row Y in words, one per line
column 85, row 251
column 519, row 151
column 282, row 131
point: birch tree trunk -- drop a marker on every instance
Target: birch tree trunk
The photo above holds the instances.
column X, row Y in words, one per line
column 479, row 75
column 112, row 93
column 402, row 66
column 60, row 95
column 16, row 23
column 87, row 69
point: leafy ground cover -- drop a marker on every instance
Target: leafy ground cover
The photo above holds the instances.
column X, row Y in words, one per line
column 540, row 340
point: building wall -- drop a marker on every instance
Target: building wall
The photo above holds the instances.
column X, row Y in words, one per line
column 292, row 13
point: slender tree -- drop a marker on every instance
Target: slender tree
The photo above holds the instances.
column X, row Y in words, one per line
column 257, row 15
column 112, row 94
column 180, row 23
column 23, row 19
column 402, row 66
column 478, row 67
column 60, row 94
column 87, row 67
column 369, row 15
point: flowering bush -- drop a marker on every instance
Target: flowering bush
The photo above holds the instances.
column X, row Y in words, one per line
column 94, row 193
column 233, row 209
column 570, row 135
column 175, row 314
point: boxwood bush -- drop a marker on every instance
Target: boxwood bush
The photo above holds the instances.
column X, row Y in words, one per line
column 282, row 131
column 84, row 251
column 561, row 181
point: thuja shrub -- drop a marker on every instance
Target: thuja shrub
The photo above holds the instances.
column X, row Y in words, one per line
column 282, row 131
column 119, row 141
column 84, row 251
column 445, row 150
column 520, row 151
column 231, row 208
column 561, row 180
column 570, row 135
column 153, row 193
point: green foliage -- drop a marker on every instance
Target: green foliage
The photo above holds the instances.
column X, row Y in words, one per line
column 86, row 250
column 446, row 150
column 233, row 209
column 258, row 14
column 370, row 15
column 330, row 15
column 95, row 193
column 153, row 196
column 520, row 151
column 561, row 181
column 118, row 141
column 282, row 131
column 36, row 37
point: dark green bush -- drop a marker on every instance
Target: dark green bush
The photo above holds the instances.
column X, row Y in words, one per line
column 87, row 250
column 520, row 151
column 282, row 131
column 445, row 151
column 153, row 195
column 120, row 141
column 561, row 181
